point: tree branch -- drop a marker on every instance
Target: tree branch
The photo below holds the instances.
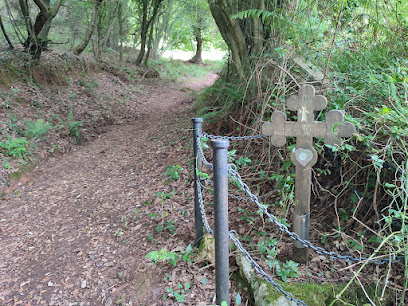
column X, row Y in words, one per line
column 56, row 8
column 41, row 5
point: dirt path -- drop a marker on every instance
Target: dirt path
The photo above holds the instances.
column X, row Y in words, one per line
column 78, row 232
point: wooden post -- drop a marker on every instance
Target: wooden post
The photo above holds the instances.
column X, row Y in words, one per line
column 304, row 156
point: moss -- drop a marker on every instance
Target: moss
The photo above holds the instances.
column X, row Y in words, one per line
column 206, row 250
column 311, row 294
column 317, row 294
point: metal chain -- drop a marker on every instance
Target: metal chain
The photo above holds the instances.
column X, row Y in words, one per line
column 306, row 243
column 231, row 195
column 202, row 209
column 257, row 267
column 201, row 153
column 209, row 136
column 233, row 237
column 232, row 170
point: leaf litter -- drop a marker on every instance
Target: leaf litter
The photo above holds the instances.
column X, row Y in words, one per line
column 78, row 231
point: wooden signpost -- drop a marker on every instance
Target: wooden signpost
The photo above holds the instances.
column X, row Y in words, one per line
column 304, row 156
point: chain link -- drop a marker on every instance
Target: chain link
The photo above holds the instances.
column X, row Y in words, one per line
column 202, row 208
column 231, row 195
column 232, row 170
column 201, row 153
column 234, row 137
column 258, row 268
column 306, row 243
column 233, row 237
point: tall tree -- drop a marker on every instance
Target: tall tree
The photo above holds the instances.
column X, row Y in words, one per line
column 246, row 27
column 106, row 22
column 37, row 33
column 91, row 28
column 5, row 35
column 149, row 11
column 200, row 22
column 192, row 23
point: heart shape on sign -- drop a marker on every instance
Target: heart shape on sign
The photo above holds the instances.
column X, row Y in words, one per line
column 303, row 156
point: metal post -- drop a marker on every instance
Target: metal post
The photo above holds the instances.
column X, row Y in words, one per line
column 197, row 131
column 301, row 213
column 220, row 153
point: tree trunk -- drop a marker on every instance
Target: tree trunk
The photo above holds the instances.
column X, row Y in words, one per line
column 104, row 41
column 91, row 27
column 5, row 35
column 231, row 33
column 258, row 29
column 95, row 43
column 160, row 34
column 197, row 58
column 149, row 45
column 120, row 19
column 147, row 26
column 31, row 42
column 245, row 38
column 143, row 33
column 38, row 33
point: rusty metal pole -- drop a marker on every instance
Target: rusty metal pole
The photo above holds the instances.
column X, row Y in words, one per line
column 197, row 131
column 220, row 152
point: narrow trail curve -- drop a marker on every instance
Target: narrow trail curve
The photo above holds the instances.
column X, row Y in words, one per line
column 77, row 233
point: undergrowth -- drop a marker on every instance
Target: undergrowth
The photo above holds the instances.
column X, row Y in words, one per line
column 360, row 185
column 179, row 71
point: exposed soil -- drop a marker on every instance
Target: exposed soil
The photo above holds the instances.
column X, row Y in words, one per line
column 76, row 230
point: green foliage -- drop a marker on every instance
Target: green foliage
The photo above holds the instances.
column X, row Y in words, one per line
column 173, row 171
column 220, row 100
column 178, row 71
column 247, row 215
column 8, row 98
column 178, row 293
column 287, row 269
column 118, row 232
column 238, row 299
column 168, row 225
column 16, row 147
column 172, row 257
column 255, row 13
column 268, row 249
column 163, row 255
column 190, row 17
column 37, row 128
column 71, row 125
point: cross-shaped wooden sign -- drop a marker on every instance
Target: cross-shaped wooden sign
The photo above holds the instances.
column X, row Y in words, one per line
column 304, row 156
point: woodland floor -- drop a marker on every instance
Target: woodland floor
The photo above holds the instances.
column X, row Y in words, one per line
column 75, row 230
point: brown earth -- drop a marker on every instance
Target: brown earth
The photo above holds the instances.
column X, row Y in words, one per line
column 77, row 229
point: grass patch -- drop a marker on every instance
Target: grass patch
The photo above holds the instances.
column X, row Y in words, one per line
column 179, row 71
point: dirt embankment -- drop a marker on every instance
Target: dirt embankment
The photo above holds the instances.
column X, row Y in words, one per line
column 47, row 109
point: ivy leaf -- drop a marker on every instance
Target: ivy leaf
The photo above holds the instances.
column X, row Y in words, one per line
column 188, row 249
column 238, row 299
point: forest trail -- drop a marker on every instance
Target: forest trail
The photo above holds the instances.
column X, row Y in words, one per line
column 77, row 233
